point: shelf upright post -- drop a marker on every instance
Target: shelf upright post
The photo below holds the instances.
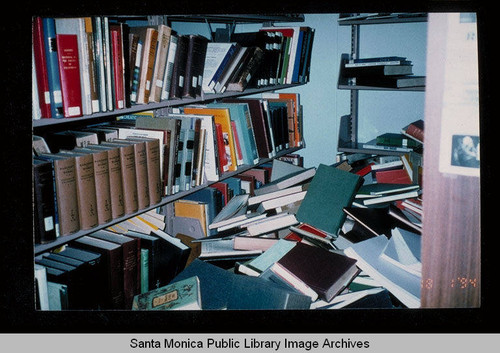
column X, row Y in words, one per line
column 354, row 93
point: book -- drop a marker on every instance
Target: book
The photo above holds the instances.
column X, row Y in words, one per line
column 69, row 72
column 240, row 115
column 44, row 202
column 115, row 178
column 179, row 67
column 196, row 51
column 221, row 116
column 235, row 207
column 212, row 198
column 195, row 210
column 117, row 55
column 158, row 77
column 181, row 295
column 174, row 254
column 287, row 181
column 376, row 220
column 377, row 189
column 167, row 77
column 249, row 67
column 391, row 197
column 217, row 56
column 67, row 215
column 378, row 70
column 374, row 145
column 271, row 223
column 130, row 265
column 404, row 250
column 330, row 190
column 41, row 73
column 148, row 37
column 152, row 262
column 281, row 201
column 102, row 183
column 69, row 139
column 393, row 176
column 128, row 173
column 384, row 60
column 402, row 284
column 230, row 69
column 395, row 139
column 415, row 130
column 316, row 272
column 253, row 243
column 76, row 27
column 42, row 297
column 112, row 259
column 259, row 124
column 224, row 248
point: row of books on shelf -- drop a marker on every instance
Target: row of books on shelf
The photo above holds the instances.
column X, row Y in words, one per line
column 179, row 151
column 386, row 71
column 298, row 241
column 87, row 65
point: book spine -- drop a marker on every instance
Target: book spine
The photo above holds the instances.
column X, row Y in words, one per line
column 144, row 270
column 99, row 58
column 69, row 71
column 45, row 230
column 49, row 28
column 41, row 68
column 150, row 65
column 102, row 187
column 94, row 90
column 160, row 63
column 416, row 132
column 141, row 170
column 167, row 79
column 118, row 69
column 130, row 268
column 116, row 183
column 86, row 194
column 67, row 204
column 129, row 179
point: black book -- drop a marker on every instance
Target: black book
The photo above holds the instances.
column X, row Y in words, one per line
column 378, row 70
column 112, row 265
column 130, row 265
column 195, row 63
column 68, row 275
column 92, row 263
column 44, row 202
column 179, row 69
column 391, row 81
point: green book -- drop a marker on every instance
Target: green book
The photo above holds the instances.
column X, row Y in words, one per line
column 271, row 255
column 144, row 270
column 395, row 139
column 179, row 295
column 330, row 190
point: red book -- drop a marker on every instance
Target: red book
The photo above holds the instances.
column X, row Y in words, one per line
column 118, row 65
column 69, row 71
column 395, row 176
column 223, row 160
column 224, row 189
column 42, row 77
column 237, row 143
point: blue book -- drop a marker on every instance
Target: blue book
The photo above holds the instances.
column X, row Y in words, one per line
column 240, row 114
column 213, row 198
column 180, row 295
column 298, row 56
column 49, row 31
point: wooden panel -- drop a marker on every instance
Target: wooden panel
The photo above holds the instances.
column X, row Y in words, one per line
column 451, row 248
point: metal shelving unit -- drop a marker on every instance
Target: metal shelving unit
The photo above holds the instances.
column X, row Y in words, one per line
column 348, row 134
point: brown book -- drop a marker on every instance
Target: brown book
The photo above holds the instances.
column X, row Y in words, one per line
column 85, row 188
column 153, row 167
column 129, row 263
column 129, row 179
column 94, row 94
column 102, row 186
column 111, row 260
column 115, row 178
column 148, row 36
column 65, row 187
column 164, row 33
column 141, row 171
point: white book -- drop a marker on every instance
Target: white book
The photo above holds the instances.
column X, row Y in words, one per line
column 214, row 58
column 281, row 201
column 272, row 223
column 391, row 197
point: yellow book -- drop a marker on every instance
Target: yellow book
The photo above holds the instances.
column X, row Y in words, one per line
column 222, row 117
column 192, row 209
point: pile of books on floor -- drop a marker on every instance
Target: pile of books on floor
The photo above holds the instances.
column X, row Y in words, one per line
column 302, row 240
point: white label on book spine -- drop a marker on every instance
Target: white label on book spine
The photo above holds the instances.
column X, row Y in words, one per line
column 47, row 97
column 159, row 83
column 74, row 111
column 148, row 84
column 57, row 96
column 48, row 223
column 194, row 81
column 95, row 106
column 120, row 104
column 181, row 81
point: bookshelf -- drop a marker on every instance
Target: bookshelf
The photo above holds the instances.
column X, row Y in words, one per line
column 348, row 132
column 45, row 125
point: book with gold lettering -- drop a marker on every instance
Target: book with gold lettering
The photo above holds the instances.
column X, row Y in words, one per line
column 180, row 295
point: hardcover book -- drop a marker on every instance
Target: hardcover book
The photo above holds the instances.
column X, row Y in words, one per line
column 329, row 192
column 43, row 202
column 315, row 270
column 69, row 71
column 180, row 295
column 40, row 60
